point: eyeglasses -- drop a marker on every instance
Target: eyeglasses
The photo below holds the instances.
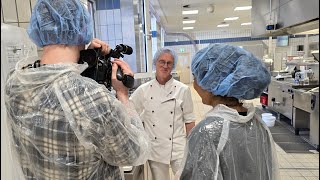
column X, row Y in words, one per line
column 162, row 63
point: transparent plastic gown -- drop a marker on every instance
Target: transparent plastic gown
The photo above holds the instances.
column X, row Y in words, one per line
column 66, row 126
column 229, row 146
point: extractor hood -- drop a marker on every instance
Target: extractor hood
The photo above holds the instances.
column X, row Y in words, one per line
column 295, row 29
column 287, row 17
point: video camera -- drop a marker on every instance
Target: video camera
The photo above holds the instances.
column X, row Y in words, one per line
column 100, row 67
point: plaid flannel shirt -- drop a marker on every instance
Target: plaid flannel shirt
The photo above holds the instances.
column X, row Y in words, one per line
column 69, row 128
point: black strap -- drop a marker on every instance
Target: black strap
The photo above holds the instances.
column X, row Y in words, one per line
column 36, row 64
column 242, row 113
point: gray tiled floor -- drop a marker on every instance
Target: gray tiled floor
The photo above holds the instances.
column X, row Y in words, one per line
column 292, row 166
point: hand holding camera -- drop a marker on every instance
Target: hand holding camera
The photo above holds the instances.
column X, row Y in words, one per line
column 118, row 85
column 100, row 64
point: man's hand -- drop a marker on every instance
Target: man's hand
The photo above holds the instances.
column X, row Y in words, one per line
column 189, row 126
column 96, row 43
column 118, row 86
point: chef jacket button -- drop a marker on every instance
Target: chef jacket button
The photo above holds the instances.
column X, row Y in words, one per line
column 175, row 86
column 170, row 139
column 153, row 125
column 152, row 111
column 170, row 125
column 150, row 85
column 155, row 137
column 151, row 97
column 171, row 112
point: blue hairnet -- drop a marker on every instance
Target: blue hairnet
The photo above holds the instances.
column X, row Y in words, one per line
column 60, row 22
column 166, row 50
column 230, row 71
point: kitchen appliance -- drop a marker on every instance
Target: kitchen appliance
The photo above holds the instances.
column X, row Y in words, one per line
column 306, row 112
column 280, row 97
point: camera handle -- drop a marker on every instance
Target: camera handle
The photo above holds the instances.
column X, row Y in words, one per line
column 119, row 74
column 127, row 80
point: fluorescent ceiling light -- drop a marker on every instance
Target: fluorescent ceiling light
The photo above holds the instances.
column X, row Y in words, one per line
column 190, row 12
column 242, row 8
column 313, row 31
column 246, row 24
column 184, row 28
column 223, row 25
column 189, row 22
column 231, row 18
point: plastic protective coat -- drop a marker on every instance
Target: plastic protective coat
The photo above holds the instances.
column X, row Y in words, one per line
column 65, row 126
column 229, row 146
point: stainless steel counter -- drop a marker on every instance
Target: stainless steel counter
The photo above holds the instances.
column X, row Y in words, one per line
column 296, row 103
column 301, row 110
column 314, row 120
column 306, row 113
column 281, row 95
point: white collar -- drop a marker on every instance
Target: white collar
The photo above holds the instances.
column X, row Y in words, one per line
column 166, row 85
column 231, row 114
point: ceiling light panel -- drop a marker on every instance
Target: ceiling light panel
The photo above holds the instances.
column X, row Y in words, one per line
column 190, row 12
column 185, row 28
column 223, row 25
column 242, row 8
column 189, row 22
column 231, row 18
column 246, row 24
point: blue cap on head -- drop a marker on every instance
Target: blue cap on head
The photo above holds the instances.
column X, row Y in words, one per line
column 160, row 51
column 230, row 71
column 60, row 22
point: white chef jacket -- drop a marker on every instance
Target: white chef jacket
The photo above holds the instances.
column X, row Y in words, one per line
column 165, row 109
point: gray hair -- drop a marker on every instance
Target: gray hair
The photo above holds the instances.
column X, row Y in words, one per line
column 166, row 50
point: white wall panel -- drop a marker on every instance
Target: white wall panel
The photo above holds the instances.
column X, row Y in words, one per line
column 24, row 11
column 9, row 11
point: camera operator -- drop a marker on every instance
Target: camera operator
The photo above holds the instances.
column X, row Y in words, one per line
column 64, row 125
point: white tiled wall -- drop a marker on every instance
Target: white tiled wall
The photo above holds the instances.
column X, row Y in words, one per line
column 9, row 12
column 218, row 34
column 294, row 42
column 109, row 26
column 222, row 34
column 24, row 10
column 18, row 12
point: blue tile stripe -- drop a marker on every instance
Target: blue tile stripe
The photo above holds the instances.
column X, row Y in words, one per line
column 107, row 4
column 154, row 33
column 223, row 40
column 180, row 43
column 101, row 4
column 116, row 4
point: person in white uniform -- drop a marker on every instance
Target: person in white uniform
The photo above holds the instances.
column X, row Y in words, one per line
column 166, row 108
column 231, row 142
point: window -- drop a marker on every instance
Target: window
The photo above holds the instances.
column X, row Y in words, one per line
column 282, row 41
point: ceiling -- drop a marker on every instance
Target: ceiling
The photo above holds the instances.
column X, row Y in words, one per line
column 170, row 14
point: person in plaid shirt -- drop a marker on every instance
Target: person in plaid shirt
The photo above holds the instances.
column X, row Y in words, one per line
column 64, row 125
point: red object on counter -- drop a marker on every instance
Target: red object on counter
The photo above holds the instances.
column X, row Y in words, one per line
column 264, row 99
